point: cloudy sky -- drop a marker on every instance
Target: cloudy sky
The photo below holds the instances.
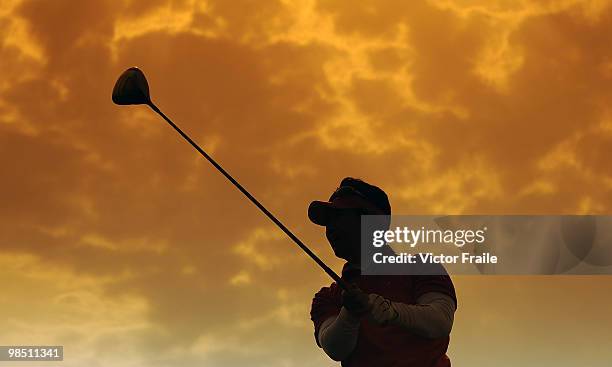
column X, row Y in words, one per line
column 119, row 242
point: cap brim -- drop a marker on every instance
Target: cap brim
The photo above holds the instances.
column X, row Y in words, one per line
column 318, row 212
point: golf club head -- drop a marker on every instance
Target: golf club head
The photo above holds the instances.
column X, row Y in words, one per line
column 131, row 88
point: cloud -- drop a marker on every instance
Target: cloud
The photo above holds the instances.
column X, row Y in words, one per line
column 450, row 106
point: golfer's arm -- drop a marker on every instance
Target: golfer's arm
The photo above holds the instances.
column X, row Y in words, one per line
column 432, row 317
column 338, row 335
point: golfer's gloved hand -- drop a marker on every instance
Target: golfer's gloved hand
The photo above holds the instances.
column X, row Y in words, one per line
column 382, row 311
column 356, row 302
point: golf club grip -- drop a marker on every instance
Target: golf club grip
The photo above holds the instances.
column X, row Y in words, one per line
column 305, row 248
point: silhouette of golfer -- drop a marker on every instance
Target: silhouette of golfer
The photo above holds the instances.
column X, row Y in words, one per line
column 384, row 320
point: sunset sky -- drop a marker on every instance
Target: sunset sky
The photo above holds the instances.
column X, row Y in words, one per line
column 119, row 242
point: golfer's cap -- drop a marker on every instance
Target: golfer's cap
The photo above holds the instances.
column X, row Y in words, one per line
column 362, row 195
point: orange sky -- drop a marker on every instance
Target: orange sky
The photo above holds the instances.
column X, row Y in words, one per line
column 119, row 242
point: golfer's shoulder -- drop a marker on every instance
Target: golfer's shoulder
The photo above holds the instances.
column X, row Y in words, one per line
column 438, row 283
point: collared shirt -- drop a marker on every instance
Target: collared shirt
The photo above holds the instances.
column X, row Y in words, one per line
column 388, row 346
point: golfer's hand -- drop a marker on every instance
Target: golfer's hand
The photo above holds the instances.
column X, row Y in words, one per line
column 382, row 311
column 355, row 301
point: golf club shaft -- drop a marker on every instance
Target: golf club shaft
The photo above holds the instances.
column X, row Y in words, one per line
column 305, row 248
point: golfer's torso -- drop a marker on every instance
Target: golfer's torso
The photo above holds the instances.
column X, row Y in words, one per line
column 392, row 346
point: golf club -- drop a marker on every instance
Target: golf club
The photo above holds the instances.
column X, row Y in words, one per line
column 132, row 89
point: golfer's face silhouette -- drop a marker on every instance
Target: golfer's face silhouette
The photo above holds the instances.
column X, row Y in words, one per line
column 343, row 233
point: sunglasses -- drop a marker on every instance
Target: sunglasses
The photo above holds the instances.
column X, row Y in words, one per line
column 333, row 214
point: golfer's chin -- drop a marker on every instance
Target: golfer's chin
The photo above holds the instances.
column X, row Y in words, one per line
column 343, row 253
column 355, row 260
